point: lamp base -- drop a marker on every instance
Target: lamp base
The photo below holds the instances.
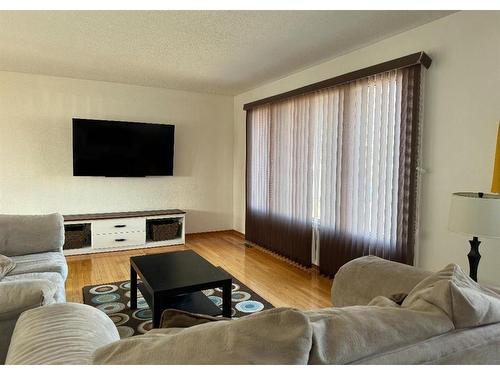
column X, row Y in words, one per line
column 474, row 257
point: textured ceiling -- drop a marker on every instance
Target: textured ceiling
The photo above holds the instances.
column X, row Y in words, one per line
column 225, row 52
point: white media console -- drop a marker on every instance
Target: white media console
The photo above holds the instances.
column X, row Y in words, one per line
column 114, row 231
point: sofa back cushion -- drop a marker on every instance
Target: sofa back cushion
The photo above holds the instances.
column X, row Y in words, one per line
column 465, row 302
column 28, row 234
column 277, row 336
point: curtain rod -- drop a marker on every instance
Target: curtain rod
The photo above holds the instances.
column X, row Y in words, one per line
column 401, row 62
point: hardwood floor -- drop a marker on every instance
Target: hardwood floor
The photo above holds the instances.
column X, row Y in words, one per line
column 279, row 281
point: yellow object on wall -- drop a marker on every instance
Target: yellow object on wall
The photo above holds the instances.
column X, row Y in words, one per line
column 495, row 186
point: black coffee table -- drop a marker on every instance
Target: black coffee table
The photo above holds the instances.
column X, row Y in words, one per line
column 175, row 280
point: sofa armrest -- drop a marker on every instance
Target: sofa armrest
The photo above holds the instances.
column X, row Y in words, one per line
column 60, row 334
column 360, row 280
column 21, row 295
column 29, row 234
column 15, row 298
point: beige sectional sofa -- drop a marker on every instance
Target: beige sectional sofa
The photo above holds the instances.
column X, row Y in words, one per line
column 34, row 243
column 362, row 281
column 444, row 318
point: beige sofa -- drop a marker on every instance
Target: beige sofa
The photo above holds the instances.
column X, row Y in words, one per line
column 34, row 243
column 445, row 318
column 360, row 281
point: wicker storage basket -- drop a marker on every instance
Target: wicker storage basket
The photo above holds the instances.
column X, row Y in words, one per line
column 76, row 236
column 164, row 231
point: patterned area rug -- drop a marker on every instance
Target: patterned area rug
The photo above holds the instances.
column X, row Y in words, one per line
column 114, row 300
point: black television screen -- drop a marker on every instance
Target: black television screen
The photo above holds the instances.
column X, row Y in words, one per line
column 122, row 149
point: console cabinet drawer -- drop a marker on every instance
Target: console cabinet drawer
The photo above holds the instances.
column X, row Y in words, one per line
column 119, row 225
column 102, row 241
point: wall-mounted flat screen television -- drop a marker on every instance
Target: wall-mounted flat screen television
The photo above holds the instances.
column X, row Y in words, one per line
column 122, row 149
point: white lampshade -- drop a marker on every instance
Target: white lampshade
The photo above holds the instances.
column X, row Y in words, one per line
column 476, row 216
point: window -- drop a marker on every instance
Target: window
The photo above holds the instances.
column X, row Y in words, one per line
column 341, row 160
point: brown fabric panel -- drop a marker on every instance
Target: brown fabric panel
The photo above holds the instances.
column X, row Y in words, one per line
column 409, row 154
column 404, row 175
column 414, row 155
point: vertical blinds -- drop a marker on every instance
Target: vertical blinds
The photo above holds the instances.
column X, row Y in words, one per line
column 368, row 198
column 343, row 158
column 279, row 177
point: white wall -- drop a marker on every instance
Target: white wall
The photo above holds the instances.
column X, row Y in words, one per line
column 462, row 110
column 36, row 149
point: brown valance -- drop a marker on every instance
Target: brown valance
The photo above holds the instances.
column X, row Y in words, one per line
column 402, row 62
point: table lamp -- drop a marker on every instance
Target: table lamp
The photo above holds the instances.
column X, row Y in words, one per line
column 476, row 214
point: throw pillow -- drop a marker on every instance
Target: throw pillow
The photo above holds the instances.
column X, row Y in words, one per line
column 6, row 265
column 173, row 318
column 465, row 302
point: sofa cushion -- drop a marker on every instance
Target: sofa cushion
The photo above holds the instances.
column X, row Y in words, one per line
column 343, row 335
column 60, row 334
column 480, row 345
column 26, row 234
column 6, row 265
column 17, row 296
column 465, row 302
column 55, row 278
column 276, row 336
column 41, row 262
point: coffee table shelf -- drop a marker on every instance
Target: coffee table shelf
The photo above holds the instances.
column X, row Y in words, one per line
column 197, row 302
